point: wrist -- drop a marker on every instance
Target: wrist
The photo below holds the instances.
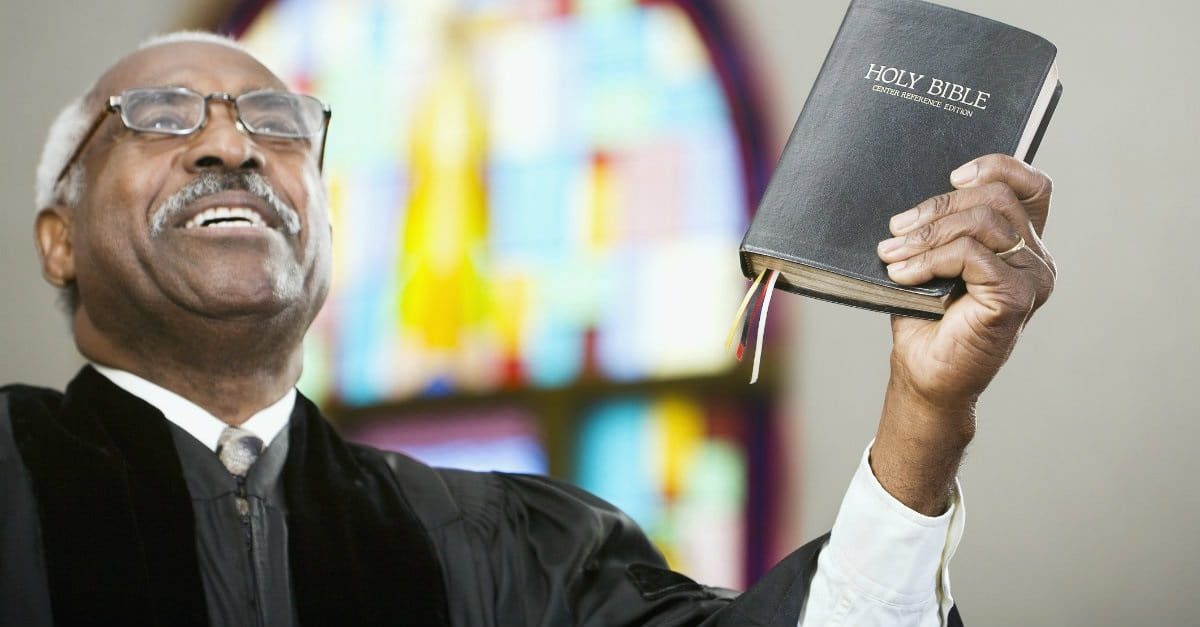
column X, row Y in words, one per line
column 919, row 445
column 934, row 422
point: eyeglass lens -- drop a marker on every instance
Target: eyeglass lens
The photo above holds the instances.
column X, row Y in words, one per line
column 281, row 114
column 181, row 111
column 162, row 110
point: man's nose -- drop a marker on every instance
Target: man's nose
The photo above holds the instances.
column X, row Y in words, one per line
column 221, row 144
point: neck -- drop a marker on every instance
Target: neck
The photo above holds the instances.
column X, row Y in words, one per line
column 231, row 369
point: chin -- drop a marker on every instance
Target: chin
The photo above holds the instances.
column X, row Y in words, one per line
column 257, row 299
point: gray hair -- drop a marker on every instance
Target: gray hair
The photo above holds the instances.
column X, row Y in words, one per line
column 64, row 136
column 68, row 128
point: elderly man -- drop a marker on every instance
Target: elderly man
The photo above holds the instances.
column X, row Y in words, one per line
column 181, row 479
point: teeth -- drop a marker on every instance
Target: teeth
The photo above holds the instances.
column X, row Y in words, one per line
column 226, row 217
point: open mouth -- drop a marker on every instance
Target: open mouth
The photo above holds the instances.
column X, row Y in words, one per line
column 232, row 211
column 225, row 217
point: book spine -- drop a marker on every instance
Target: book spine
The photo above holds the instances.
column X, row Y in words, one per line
column 1041, row 131
column 1030, row 108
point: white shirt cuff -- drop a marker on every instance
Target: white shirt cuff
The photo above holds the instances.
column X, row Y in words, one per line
column 885, row 560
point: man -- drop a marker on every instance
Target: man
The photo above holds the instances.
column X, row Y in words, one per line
column 181, row 480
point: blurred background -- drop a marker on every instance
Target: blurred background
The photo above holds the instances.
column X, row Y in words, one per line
column 537, row 205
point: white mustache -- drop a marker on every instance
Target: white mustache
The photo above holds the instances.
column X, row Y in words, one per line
column 209, row 183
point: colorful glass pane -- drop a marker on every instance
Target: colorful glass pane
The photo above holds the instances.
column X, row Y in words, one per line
column 501, row 438
column 679, row 469
column 524, row 192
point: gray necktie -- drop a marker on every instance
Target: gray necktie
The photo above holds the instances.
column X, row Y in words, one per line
column 238, row 449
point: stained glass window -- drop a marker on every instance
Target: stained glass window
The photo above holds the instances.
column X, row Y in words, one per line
column 533, row 198
column 524, row 192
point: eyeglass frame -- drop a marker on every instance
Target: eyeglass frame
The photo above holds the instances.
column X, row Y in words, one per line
column 114, row 105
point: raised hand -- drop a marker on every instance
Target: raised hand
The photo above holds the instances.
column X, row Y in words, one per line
column 988, row 232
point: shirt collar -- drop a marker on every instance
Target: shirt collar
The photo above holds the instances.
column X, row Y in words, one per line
column 190, row 417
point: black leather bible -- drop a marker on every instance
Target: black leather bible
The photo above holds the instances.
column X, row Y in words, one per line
column 909, row 91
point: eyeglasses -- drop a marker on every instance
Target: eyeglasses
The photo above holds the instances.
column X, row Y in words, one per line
column 181, row 111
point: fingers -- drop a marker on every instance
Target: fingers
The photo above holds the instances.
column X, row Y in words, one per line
column 1018, row 192
column 989, row 227
column 998, row 201
column 1009, row 289
column 995, row 195
column 1031, row 187
column 966, row 246
column 951, row 260
column 947, row 262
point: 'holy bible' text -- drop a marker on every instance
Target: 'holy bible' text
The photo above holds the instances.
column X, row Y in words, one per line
column 936, row 87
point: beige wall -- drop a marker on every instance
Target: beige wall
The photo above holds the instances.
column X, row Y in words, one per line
column 50, row 51
column 1081, row 490
column 1082, row 506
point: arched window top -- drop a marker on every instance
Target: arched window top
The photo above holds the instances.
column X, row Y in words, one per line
column 524, row 192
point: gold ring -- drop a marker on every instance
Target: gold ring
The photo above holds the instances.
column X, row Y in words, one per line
column 1018, row 247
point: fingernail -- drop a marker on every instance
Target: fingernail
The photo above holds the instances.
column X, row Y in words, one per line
column 964, row 174
column 904, row 220
column 890, row 245
column 896, row 267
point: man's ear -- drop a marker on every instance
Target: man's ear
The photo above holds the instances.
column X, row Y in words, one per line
column 52, row 234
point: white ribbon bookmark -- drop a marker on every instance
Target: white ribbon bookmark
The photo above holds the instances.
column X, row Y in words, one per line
column 762, row 325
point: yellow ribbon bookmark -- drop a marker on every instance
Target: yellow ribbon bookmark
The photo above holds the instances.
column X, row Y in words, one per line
column 742, row 310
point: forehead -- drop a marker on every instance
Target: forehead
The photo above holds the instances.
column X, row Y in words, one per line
column 204, row 67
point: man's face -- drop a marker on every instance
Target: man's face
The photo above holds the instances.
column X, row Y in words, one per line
column 129, row 272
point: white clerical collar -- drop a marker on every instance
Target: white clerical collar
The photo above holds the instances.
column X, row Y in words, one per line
column 190, row 417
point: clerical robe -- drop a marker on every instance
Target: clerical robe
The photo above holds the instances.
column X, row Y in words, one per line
column 112, row 515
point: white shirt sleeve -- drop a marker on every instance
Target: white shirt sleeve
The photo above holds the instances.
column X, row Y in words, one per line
column 884, row 564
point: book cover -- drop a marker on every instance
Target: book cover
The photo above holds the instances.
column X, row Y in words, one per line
column 909, row 91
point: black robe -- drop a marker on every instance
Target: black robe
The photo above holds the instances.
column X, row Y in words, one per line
column 97, row 527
